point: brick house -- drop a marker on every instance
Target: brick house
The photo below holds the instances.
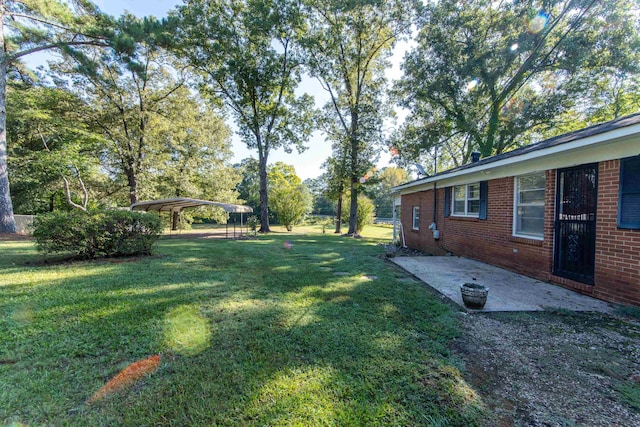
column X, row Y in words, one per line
column 565, row 210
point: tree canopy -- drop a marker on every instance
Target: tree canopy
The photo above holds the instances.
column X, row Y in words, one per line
column 379, row 189
column 53, row 151
column 120, row 114
column 130, row 93
column 487, row 75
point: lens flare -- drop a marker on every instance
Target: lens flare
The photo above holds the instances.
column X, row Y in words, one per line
column 126, row 377
column 23, row 315
column 538, row 23
column 514, row 47
column 187, row 331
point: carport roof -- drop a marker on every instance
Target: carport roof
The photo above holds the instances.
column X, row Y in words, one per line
column 179, row 203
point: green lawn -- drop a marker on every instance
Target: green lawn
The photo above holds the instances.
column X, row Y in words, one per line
column 287, row 329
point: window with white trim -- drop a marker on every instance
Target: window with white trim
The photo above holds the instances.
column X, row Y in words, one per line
column 528, row 210
column 416, row 217
column 466, row 200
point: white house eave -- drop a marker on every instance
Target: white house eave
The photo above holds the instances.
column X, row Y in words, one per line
column 612, row 145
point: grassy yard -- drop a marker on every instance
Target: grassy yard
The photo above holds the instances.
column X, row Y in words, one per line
column 287, row 329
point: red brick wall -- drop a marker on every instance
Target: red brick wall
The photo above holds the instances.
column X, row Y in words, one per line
column 617, row 269
column 421, row 239
column 487, row 240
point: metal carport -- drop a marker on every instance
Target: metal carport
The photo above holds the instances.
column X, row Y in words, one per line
column 177, row 204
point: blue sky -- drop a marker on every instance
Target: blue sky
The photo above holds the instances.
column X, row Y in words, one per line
column 156, row 8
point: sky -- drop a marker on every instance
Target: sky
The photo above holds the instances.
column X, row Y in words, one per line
column 306, row 164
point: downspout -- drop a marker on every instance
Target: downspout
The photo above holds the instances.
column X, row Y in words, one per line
column 434, row 227
column 435, row 202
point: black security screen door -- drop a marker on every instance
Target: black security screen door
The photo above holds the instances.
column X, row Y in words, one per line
column 575, row 223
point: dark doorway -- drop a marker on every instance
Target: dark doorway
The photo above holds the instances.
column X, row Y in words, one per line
column 575, row 223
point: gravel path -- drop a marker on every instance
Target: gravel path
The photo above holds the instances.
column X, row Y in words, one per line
column 553, row 368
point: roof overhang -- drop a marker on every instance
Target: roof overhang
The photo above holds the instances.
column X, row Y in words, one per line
column 615, row 144
column 180, row 203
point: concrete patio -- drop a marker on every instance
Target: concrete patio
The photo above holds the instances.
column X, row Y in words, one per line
column 508, row 291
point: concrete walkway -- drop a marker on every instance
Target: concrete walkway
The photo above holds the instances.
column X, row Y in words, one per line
column 508, row 291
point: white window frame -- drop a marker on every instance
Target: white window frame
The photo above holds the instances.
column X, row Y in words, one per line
column 516, row 198
column 415, row 225
column 467, row 199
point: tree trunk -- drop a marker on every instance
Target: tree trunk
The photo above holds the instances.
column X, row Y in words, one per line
column 353, row 212
column 264, row 196
column 488, row 147
column 132, row 181
column 339, row 212
column 175, row 218
column 7, row 221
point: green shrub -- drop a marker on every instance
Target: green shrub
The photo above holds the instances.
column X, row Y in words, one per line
column 97, row 234
column 364, row 215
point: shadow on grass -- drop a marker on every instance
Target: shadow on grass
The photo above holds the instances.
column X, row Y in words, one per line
column 294, row 334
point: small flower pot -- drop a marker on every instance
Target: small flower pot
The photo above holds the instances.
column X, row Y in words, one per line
column 474, row 295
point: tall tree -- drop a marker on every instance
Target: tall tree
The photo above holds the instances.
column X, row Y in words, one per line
column 131, row 90
column 614, row 94
column 611, row 94
column 246, row 52
column 318, row 187
column 30, row 26
column 485, row 74
column 348, row 44
column 193, row 151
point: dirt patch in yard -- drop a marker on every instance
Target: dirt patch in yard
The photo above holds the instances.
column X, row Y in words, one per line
column 14, row 237
column 554, row 368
